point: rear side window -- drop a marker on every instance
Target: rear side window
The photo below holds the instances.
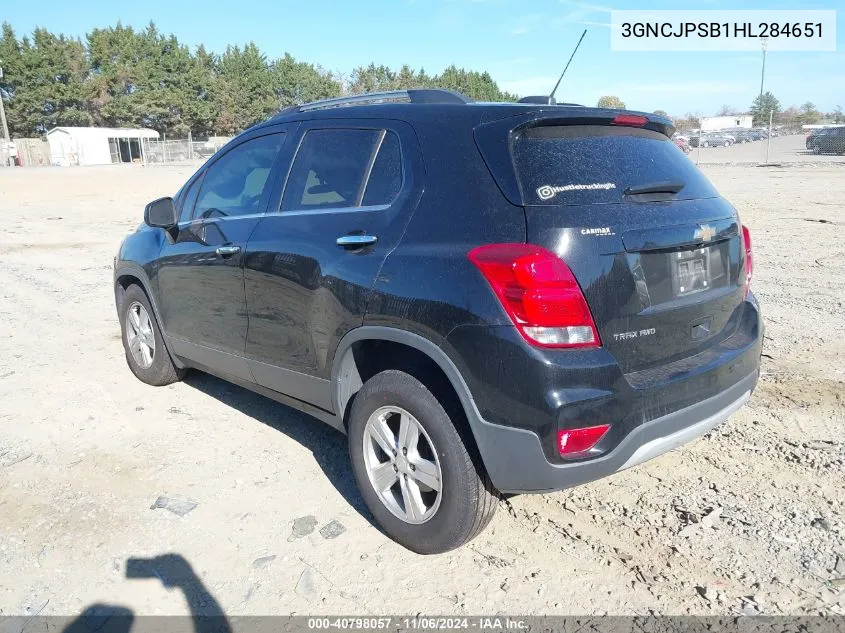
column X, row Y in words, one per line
column 386, row 177
column 344, row 168
column 591, row 164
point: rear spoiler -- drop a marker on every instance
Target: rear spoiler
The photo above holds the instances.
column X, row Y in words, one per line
column 492, row 137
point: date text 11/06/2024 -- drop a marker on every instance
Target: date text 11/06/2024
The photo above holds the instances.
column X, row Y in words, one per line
column 418, row 623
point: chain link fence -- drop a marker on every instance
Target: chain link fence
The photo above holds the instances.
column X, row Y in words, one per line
column 34, row 152
column 782, row 147
column 172, row 151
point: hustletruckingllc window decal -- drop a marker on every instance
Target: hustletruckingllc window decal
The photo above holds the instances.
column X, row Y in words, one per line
column 547, row 192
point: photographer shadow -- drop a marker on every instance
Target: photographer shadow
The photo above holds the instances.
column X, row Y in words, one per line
column 174, row 572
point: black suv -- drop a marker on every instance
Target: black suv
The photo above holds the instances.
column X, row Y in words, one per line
column 829, row 140
column 486, row 298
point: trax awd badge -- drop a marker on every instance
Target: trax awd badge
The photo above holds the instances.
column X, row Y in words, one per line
column 626, row 336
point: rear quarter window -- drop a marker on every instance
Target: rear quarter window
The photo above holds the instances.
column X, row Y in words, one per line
column 590, row 164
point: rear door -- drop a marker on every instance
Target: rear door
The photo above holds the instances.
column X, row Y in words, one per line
column 312, row 261
column 655, row 249
column 200, row 269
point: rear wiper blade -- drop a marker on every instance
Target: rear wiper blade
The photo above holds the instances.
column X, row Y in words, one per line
column 655, row 187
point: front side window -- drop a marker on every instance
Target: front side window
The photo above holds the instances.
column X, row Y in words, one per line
column 189, row 200
column 233, row 185
column 344, row 168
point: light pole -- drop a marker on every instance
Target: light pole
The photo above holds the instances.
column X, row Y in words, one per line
column 764, row 42
column 3, row 112
column 6, row 142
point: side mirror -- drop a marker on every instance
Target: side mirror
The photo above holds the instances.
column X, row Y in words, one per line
column 161, row 213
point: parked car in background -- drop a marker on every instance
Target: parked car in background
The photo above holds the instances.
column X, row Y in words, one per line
column 745, row 135
column 682, row 144
column 203, row 149
column 829, row 140
column 485, row 298
column 157, row 151
column 712, row 139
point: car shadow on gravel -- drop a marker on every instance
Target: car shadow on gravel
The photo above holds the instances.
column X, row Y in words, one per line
column 328, row 446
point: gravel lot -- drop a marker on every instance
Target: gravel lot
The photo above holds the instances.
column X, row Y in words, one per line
column 747, row 520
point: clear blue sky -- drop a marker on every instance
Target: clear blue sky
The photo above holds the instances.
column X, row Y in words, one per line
column 522, row 43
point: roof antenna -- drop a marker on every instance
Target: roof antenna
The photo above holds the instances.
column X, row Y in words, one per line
column 554, row 90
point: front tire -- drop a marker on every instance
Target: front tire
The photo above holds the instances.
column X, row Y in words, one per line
column 416, row 465
column 143, row 343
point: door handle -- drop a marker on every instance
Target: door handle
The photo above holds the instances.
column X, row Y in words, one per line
column 356, row 241
column 228, row 251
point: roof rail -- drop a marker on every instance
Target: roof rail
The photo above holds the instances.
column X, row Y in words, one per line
column 422, row 95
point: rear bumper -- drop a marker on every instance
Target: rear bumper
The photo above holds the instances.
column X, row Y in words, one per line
column 516, row 462
column 519, row 404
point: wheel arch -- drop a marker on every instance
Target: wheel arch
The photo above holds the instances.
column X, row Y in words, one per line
column 347, row 379
column 128, row 275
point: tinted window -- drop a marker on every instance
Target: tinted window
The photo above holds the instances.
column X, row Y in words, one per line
column 189, row 200
column 330, row 169
column 233, row 185
column 579, row 164
column 386, row 176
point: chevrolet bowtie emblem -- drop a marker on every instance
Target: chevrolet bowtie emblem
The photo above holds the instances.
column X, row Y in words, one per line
column 705, row 233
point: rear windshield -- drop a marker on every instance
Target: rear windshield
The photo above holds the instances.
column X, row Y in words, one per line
column 590, row 164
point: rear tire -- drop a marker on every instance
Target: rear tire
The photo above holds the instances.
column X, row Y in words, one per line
column 412, row 513
column 143, row 343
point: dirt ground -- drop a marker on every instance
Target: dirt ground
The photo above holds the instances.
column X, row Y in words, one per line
column 749, row 519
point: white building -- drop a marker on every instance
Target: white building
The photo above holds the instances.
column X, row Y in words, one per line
column 710, row 123
column 96, row 145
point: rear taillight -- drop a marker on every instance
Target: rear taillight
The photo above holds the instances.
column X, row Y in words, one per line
column 539, row 293
column 749, row 258
column 576, row 442
column 631, row 120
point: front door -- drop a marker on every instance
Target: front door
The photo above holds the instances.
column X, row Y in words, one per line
column 200, row 275
column 312, row 261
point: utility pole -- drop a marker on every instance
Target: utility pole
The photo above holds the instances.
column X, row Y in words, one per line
column 769, row 140
column 3, row 115
column 764, row 42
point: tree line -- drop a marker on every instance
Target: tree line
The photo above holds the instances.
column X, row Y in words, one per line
column 122, row 77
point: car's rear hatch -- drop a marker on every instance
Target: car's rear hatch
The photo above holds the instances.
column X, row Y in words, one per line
column 656, row 251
